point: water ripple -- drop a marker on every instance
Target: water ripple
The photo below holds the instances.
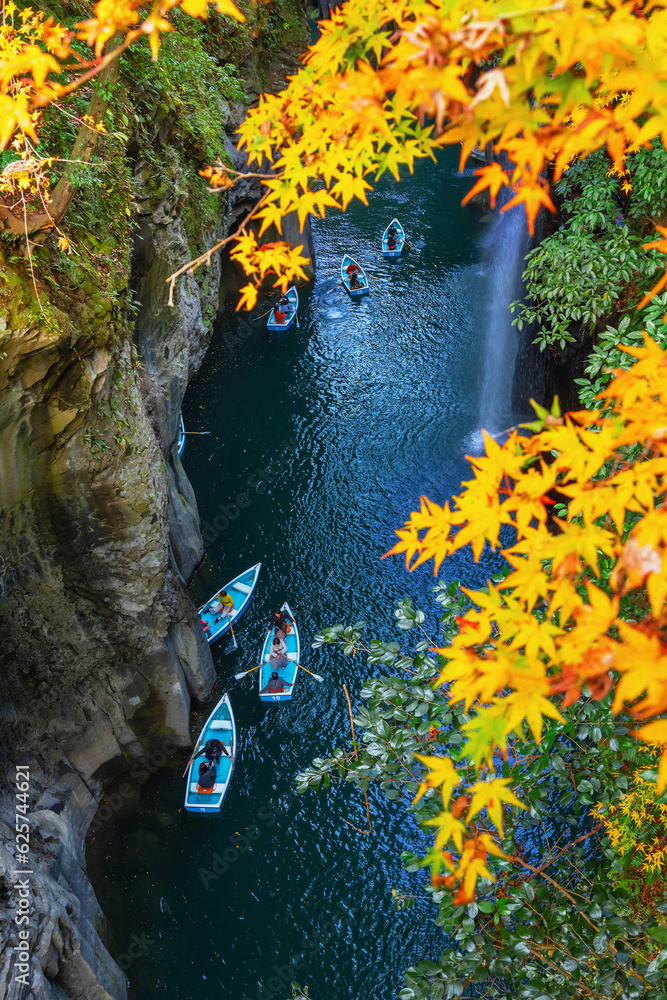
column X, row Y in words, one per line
column 365, row 408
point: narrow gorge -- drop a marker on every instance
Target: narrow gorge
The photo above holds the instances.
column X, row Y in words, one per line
column 435, row 743
column 102, row 650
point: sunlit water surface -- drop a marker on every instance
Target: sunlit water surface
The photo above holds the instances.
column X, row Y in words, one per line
column 366, row 407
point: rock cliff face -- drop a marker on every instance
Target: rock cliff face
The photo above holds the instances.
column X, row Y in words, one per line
column 101, row 647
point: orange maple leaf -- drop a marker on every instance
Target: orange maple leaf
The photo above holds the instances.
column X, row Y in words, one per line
column 492, row 177
column 533, row 194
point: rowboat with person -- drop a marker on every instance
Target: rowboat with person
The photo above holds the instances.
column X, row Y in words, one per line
column 353, row 277
column 280, row 656
column 284, row 313
column 393, row 239
column 211, row 766
column 222, row 610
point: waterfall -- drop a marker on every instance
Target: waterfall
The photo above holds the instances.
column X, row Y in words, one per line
column 505, row 248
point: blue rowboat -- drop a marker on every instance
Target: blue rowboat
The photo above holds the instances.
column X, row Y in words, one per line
column 181, row 438
column 241, row 589
column 361, row 275
column 400, row 239
column 287, row 673
column 290, row 317
column 220, row 726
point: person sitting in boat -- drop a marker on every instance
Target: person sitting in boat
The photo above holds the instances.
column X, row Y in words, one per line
column 391, row 242
column 392, row 232
column 279, row 621
column 352, row 269
column 278, row 646
column 212, row 750
column 284, row 305
column 278, row 661
column 207, row 775
column 354, row 281
column 223, row 603
column 276, row 685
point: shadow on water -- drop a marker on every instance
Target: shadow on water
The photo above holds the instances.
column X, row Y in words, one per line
column 321, row 445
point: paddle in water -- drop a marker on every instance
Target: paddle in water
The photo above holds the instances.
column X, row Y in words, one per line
column 245, row 672
column 191, row 761
column 233, row 648
column 254, row 319
column 316, row 676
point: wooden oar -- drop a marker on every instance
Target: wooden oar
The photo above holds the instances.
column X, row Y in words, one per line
column 245, row 672
column 236, row 645
column 255, row 318
column 316, row 676
column 198, row 432
column 188, row 765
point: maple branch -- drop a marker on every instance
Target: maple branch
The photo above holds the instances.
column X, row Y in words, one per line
column 542, row 958
column 104, row 62
column 537, row 871
column 44, row 222
column 205, row 258
column 356, row 751
column 32, row 269
column 564, row 850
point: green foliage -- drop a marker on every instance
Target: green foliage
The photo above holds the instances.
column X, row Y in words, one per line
column 606, row 354
column 576, row 276
column 561, row 920
column 300, row 992
column 188, row 83
column 593, row 266
column 648, row 170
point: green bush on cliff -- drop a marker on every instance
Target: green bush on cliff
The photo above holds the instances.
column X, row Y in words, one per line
column 607, row 354
column 592, row 269
column 577, row 276
column 190, row 85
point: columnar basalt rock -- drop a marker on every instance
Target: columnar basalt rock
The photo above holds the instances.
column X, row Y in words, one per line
column 101, row 649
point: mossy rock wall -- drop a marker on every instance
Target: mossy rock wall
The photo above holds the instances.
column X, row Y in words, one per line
column 101, row 648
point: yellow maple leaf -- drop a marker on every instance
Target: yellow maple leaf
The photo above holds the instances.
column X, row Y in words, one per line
column 656, row 732
column 248, row 297
column 449, row 828
column 229, row 8
column 442, row 774
column 491, row 795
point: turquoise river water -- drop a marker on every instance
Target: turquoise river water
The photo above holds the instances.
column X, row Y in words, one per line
column 329, row 437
